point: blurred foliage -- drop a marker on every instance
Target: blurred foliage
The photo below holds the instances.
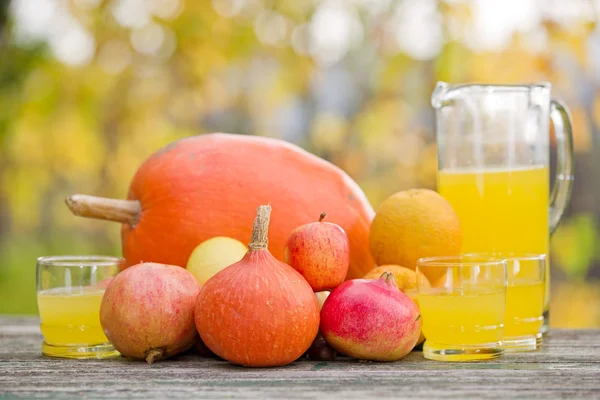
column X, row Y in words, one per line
column 576, row 305
column 90, row 88
column 576, row 245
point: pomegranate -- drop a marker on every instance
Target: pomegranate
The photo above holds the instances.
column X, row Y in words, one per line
column 371, row 319
column 147, row 311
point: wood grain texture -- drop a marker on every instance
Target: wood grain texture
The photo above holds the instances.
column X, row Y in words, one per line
column 567, row 366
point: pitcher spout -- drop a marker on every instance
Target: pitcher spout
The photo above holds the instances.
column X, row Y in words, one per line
column 440, row 94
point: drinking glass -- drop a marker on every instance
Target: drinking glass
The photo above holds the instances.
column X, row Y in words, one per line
column 69, row 294
column 524, row 302
column 462, row 301
column 493, row 164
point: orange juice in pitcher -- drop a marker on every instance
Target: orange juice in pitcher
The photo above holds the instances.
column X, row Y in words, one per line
column 494, row 156
column 478, row 196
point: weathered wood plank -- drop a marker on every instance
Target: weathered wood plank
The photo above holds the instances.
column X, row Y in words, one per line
column 568, row 366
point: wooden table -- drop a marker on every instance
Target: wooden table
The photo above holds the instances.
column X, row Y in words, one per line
column 567, row 366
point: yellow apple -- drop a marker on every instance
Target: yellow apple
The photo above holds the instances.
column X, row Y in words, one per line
column 321, row 297
column 213, row 255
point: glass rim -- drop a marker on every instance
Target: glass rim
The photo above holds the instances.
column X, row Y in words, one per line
column 463, row 260
column 478, row 86
column 445, row 92
column 512, row 256
column 79, row 261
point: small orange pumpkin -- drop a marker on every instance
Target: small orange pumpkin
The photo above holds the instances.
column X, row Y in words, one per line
column 258, row 312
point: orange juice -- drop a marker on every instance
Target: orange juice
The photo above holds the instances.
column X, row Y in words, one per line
column 524, row 308
column 458, row 317
column 71, row 318
column 500, row 210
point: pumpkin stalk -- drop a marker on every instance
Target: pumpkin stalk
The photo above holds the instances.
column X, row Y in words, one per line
column 124, row 211
column 260, row 230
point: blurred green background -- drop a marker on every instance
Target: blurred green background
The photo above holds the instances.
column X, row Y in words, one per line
column 90, row 88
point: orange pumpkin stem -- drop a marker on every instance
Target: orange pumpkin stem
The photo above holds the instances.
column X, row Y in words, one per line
column 260, row 230
column 389, row 278
column 322, row 216
column 124, row 211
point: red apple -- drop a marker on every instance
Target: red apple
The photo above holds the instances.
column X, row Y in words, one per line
column 320, row 252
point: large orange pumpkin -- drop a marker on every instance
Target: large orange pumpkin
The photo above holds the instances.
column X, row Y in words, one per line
column 210, row 185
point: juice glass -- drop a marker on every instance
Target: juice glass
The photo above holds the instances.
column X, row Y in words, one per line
column 524, row 302
column 69, row 293
column 462, row 302
column 493, row 165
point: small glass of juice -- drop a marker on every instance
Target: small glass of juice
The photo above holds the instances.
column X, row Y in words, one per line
column 462, row 301
column 69, row 293
column 525, row 294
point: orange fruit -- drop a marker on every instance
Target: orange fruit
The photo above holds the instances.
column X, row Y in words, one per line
column 406, row 279
column 412, row 224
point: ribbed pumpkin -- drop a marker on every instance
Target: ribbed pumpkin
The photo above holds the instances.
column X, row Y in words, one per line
column 208, row 185
column 258, row 312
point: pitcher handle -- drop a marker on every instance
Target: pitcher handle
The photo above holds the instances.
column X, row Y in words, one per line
column 563, row 184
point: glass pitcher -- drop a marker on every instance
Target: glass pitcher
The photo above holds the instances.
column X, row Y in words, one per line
column 493, row 165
